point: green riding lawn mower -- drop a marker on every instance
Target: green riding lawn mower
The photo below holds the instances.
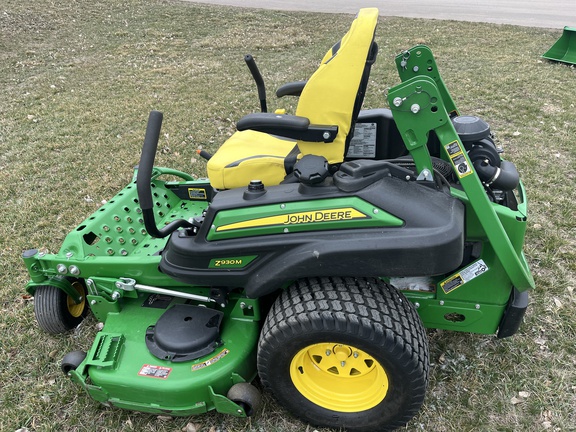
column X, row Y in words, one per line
column 320, row 247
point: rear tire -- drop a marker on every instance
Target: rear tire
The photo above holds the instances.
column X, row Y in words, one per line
column 55, row 310
column 345, row 353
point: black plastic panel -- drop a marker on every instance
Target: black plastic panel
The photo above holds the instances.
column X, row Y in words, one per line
column 431, row 241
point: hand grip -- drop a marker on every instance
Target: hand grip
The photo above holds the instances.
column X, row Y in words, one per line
column 251, row 63
column 144, row 178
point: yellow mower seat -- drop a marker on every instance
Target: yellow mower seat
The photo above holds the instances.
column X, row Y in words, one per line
column 249, row 155
column 331, row 97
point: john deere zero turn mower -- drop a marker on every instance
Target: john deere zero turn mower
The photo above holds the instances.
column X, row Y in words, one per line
column 316, row 253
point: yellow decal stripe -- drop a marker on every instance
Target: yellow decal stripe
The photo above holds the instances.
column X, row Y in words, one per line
column 330, row 215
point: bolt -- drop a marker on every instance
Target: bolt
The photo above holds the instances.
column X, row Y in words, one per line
column 397, row 101
column 415, row 68
column 375, row 211
column 415, row 108
column 416, row 305
column 115, row 295
column 69, row 255
column 407, row 178
column 477, row 306
column 342, row 363
column 355, row 354
column 93, row 302
column 328, row 352
column 441, row 302
column 326, row 135
column 282, row 206
column 74, row 270
column 61, row 268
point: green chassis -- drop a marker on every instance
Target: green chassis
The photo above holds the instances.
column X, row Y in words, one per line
column 118, row 261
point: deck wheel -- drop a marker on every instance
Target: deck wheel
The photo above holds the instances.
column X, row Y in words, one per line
column 247, row 396
column 71, row 361
column 56, row 312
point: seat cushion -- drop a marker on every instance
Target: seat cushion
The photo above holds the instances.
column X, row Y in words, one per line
column 249, row 155
column 331, row 94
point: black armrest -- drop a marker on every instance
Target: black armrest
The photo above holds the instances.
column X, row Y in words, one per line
column 288, row 126
column 291, row 89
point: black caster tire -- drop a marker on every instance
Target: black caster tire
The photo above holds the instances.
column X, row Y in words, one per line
column 71, row 361
column 345, row 353
column 247, row 396
column 55, row 310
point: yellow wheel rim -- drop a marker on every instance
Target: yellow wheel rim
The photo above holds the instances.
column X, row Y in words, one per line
column 76, row 309
column 339, row 377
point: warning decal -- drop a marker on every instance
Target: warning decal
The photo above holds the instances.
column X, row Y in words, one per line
column 152, row 371
column 197, row 193
column 474, row 270
column 363, row 143
column 458, row 159
column 210, row 362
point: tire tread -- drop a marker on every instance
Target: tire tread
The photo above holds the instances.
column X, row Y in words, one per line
column 367, row 308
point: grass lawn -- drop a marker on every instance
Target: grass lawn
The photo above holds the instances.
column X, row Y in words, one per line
column 77, row 81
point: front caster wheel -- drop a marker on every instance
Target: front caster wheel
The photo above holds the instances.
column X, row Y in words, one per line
column 55, row 310
column 345, row 353
column 71, row 361
column 247, row 396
